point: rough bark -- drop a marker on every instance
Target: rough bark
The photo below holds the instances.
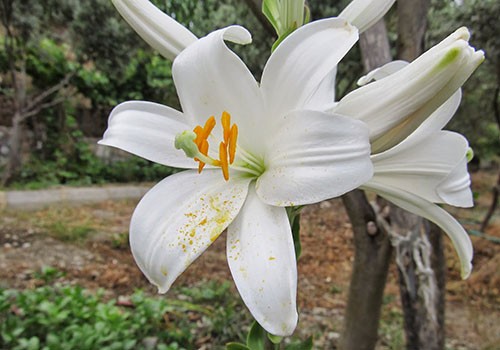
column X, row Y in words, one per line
column 412, row 24
column 422, row 295
column 495, row 191
column 422, row 290
column 371, row 242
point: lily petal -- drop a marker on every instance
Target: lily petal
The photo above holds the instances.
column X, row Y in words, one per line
column 324, row 96
column 434, row 213
column 382, row 72
column 395, row 106
column 314, row 156
column 455, row 189
column 211, row 79
column 148, row 130
column 179, row 218
column 261, row 257
column 302, row 61
column 159, row 30
column 435, row 122
column 434, row 169
column 363, row 14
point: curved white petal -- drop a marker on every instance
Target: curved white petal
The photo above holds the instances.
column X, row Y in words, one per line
column 324, row 96
column 455, row 189
column 148, row 130
column 382, row 72
column 365, row 13
column 302, row 61
column 314, row 156
column 211, row 79
column 434, row 213
column 261, row 257
column 433, row 169
column 159, row 30
column 179, row 218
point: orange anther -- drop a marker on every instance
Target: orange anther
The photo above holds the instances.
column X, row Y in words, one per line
column 198, row 130
column 203, row 150
column 233, row 138
column 223, row 160
column 209, row 126
column 226, row 125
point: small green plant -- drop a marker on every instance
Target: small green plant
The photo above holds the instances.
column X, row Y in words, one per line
column 69, row 233
column 120, row 240
column 68, row 317
column 48, row 274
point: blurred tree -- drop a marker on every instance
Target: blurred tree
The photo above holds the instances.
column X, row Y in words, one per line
column 23, row 23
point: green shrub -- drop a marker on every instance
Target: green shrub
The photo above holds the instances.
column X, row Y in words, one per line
column 68, row 317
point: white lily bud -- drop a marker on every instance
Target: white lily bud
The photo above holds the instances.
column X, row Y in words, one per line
column 365, row 13
column 396, row 105
column 159, row 30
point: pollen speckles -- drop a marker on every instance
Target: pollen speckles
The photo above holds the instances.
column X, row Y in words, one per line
column 164, row 271
column 204, row 222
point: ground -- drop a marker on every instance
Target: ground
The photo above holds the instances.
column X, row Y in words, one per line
column 89, row 244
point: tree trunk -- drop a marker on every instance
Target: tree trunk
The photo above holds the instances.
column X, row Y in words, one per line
column 419, row 247
column 412, row 25
column 372, row 246
column 422, row 295
column 371, row 265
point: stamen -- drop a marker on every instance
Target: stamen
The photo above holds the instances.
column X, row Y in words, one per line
column 203, row 150
column 223, row 160
column 226, row 126
column 209, row 126
column 195, row 144
column 233, row 138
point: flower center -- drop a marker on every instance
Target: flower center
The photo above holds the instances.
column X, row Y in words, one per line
column 195, row 144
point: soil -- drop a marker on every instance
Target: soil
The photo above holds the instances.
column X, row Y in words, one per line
column 97, row 256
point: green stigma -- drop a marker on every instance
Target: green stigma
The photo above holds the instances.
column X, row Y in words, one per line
column 185, row 142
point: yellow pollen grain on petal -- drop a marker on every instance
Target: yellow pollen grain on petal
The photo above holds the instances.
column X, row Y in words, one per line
column 226, row 125
column 233, row 139
column 271, row 258
column 223, row 160
column 164, row 271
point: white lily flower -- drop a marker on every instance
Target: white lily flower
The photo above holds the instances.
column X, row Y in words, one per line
column 365, row 13
column 159, row 30
column 395, row 106
column 428, row 167
column 273, row 149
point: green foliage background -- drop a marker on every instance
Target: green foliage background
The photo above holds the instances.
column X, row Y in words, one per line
column 110, row 64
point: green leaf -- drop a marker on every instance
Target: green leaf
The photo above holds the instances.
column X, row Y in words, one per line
column 236, row 346
column 271, row 11
column 275, row 339
column 305, row 345
column 283, row 37
column 294, row 218
column 256, row 337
